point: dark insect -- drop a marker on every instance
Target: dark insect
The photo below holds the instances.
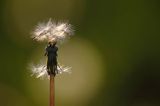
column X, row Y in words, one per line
column 51, row 53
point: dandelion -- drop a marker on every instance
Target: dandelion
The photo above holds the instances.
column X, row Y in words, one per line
column 52, row 33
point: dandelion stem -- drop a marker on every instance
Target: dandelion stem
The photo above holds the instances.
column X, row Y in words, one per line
column 52, row 93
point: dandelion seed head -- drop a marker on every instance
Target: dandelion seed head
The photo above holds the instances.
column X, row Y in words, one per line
column 52, row 31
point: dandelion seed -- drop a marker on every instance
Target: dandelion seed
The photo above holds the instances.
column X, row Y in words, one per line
column 40, row 70
column 52, row 31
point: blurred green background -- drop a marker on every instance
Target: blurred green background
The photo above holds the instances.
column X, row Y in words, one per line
column 115, row 53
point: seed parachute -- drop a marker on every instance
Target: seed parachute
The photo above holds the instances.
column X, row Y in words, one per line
column 52, row 31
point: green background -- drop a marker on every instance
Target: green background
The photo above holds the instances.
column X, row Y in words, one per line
column 125, row 32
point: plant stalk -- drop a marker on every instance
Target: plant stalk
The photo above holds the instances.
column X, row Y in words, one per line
column 52, row 93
